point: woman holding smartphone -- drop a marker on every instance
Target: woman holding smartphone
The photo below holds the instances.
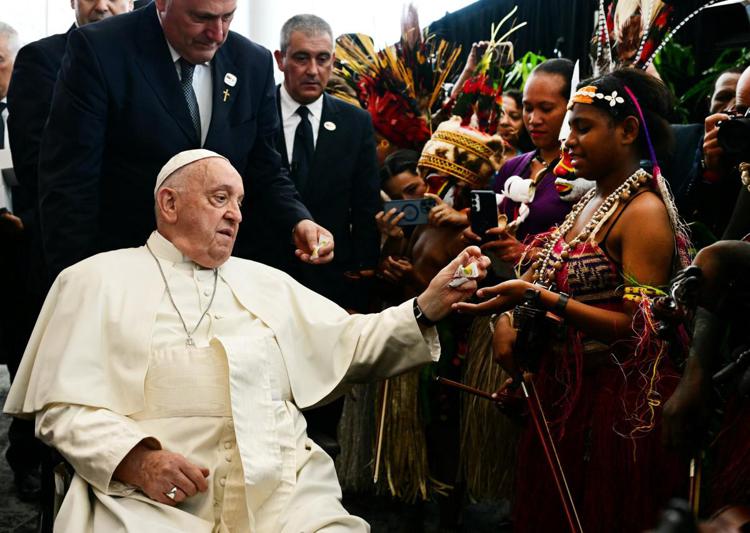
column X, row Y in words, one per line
column 545, row 97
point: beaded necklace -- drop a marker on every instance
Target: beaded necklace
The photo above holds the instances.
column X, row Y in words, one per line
column 549, row 262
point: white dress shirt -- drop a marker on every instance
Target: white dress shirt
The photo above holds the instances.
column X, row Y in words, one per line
column 5, row 162
column 290, row 119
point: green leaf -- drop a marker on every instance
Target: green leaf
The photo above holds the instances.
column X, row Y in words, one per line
column 519, row 71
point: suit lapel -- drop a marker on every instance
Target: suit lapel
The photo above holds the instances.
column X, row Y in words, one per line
column 326, row 144
column 159, row 71
column 226, row 85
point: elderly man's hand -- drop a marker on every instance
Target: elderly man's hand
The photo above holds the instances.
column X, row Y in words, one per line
column 314, row 243
column 439, row 296
column 156, row 472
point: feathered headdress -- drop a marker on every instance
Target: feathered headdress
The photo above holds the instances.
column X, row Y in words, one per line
column 632, row 32
column 400, row 84
column 481, row 96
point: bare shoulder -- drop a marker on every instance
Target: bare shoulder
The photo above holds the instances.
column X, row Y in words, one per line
column 646, row 226
column 646, row 209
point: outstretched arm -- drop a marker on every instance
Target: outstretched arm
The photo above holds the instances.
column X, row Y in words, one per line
column 645, row 249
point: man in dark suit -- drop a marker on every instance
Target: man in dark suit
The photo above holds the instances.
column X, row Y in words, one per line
column 330, row 154
column 30, row 97
column 328, row 145
column 29, row 100
column 139, row 88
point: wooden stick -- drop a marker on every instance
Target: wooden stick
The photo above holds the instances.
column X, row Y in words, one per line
column 466, row 388
column 379, row 447
column 695, row 485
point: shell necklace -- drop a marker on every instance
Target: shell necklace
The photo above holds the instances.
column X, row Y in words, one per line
column 549, row 262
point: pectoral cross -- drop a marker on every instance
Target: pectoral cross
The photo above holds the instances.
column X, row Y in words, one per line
column 226, row 94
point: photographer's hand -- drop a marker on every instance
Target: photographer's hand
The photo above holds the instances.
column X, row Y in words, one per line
column 713, row 154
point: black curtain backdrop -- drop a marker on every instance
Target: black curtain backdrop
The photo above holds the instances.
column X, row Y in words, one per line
column 573, row 22
column 547, row 21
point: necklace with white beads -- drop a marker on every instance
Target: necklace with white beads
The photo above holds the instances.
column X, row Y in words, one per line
column 549, row 262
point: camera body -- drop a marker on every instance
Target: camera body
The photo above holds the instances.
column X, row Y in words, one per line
column 734, row 138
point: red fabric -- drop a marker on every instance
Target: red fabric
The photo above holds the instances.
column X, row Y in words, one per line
column 618, row 483
column 731, row 483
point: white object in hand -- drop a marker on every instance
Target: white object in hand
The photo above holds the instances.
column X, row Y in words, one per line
column 321, row 243
column 463, row 274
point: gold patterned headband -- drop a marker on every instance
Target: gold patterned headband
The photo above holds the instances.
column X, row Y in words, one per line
column 451, row 168
column 464, row 141
column 591, row 95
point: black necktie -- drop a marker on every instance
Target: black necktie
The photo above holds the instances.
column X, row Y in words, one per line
column 3, row 105
column 186, row 82
column 302, row 153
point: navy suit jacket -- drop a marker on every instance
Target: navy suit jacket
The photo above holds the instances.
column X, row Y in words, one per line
column 342, row 192
column 29, row 99
column 118, row 115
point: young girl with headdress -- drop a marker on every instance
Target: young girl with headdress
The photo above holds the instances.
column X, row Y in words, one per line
column 602, row 383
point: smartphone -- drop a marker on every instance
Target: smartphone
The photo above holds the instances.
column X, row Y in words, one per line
column 415, row 211
column 483, row 212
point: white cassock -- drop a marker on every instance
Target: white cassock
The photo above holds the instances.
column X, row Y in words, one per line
column 107, row 366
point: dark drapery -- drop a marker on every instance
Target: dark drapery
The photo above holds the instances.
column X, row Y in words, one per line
column 573, row 22
column 547, row 21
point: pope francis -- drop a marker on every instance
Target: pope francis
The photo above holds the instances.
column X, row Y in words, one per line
column 171, row 376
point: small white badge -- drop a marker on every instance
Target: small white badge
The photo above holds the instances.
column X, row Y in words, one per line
column 230, row 79
column 330, row 126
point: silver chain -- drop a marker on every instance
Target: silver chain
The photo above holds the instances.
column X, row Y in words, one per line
column 189, row 341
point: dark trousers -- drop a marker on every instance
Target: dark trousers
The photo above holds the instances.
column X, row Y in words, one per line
column 17, row 317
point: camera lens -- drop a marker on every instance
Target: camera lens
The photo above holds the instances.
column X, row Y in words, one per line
column 410, row 213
